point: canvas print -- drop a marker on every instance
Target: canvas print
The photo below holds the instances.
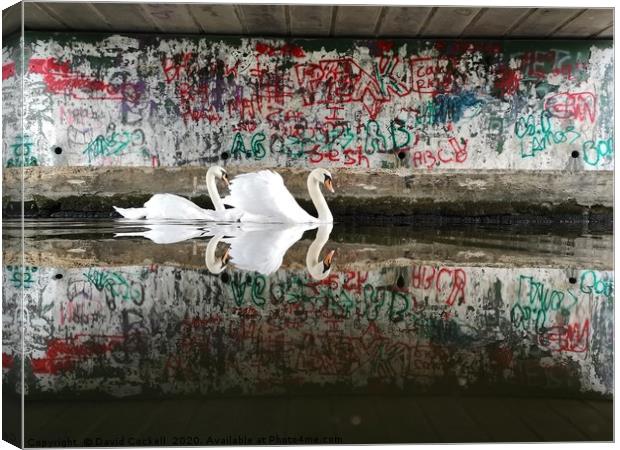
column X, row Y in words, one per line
column 234, row 224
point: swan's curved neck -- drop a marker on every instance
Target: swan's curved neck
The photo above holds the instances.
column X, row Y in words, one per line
column 213, row 265
column 314, row 266
column 213, row 193
column 325, row 215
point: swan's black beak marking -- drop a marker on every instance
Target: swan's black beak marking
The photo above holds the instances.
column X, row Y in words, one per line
column 225, row 178
column 329, row 184
column 327, row 261
column 225, row 257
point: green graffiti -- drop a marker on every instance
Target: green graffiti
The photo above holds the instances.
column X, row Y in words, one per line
column 115, row 286
column 21, row 151
column 590, row 283
column 23, row 278
column 594, row 152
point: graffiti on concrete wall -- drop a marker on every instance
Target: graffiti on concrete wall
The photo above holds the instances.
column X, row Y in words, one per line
column 419, row 105
column 132, row 330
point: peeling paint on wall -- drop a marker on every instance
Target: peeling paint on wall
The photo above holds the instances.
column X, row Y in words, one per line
column 162, row 330
column 396, row 104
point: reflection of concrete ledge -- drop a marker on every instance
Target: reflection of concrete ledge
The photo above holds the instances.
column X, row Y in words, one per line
column 527, row 251
column 384, row 192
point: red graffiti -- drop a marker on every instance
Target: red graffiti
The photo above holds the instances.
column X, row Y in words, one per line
column 579, row 106
column 354, row 281
column 508, row 81
column 8, row 70
column 172, row 68
column 340, row 81
column 428, row 277
column 62, row 354
column 430, row 75
column 457, row 153
column 7, row 361
column 567, row 338
column 285, row 50
column 60, row 79
column 195, row 105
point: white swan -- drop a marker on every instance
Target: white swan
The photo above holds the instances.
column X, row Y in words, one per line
column 263, row 197
column 262, row 248
column 171, row 206
column 166, row 233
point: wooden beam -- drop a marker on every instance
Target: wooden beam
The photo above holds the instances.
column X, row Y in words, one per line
column 310, row 20
column 403, row 21
column 449, row 22
column 543, row 21
column 587, row 24
column 266, row 20
column 217, row 19
column 494, row 22
column 356, row 20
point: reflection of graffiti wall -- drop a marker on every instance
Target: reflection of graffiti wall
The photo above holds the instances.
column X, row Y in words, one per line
column 422, row 105
column 155, row 329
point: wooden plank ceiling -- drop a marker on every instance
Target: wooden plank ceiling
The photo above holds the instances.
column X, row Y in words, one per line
column 315, row 21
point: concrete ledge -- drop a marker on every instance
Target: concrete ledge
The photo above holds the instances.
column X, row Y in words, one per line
column 70, row 190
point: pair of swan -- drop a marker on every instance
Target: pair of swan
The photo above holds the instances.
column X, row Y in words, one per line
column 254, row 197
column 251, row 247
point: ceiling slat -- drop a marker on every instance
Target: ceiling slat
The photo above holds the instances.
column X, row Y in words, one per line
column 170, row 18
column 356, row 20
column 587, row 24
column 494, row 22
column 36, row 18
column 607, row 33
column 11, row 19
column 216, row 19
column 543, row 22
column 449, row 22
column 316, row 20
column 265, row 19
column 73, row 14
column 310, row 20
column 125, row 17
column 403, row 21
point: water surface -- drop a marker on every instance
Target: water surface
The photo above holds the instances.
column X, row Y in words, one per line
column 170, row 331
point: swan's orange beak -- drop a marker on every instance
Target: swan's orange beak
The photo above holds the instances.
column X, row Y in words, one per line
column 225, row 179
column 327, row 261
column 329, row 185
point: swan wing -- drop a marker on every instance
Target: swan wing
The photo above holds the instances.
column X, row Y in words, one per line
column 263, row 195
column 263, row 249
column 171, row 206
column 166, row 233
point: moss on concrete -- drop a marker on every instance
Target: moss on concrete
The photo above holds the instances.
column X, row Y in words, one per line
column 344, row 207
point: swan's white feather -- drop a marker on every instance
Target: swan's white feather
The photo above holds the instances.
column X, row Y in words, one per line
column 166, row 233
column 265, row 198
column 171, row 206
column 262, row 250
column 256, row 246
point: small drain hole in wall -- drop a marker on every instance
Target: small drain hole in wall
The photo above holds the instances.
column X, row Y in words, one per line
column 575, row 154
column 58, row 150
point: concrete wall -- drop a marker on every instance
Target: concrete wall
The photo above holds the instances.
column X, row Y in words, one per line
column 395, row 107
column 158, row 330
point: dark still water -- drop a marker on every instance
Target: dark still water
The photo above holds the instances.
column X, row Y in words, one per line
column 177, row 334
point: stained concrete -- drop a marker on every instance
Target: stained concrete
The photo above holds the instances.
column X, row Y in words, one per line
column 51, row 190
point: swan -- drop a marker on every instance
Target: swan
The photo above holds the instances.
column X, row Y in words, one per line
column 263, row 197
column 261, row 249
column 166, row 233
column 171, row 206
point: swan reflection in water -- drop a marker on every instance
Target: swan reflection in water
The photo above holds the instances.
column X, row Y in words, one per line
column 250, row 246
